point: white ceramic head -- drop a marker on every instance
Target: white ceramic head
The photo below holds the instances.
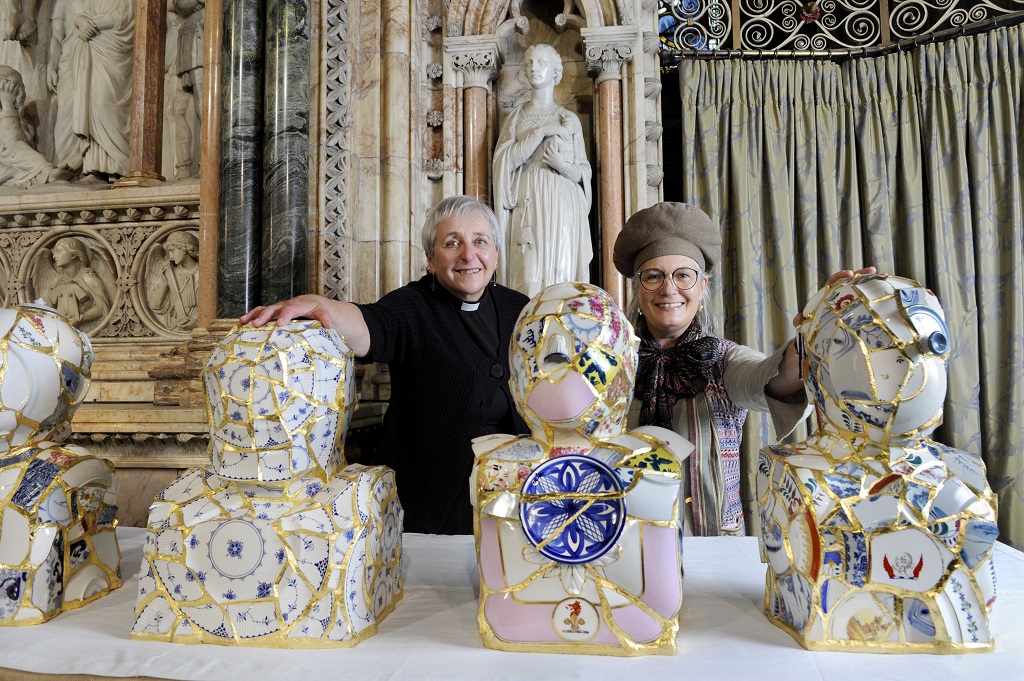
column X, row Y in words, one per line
column 876, row 356
column 573, row 361
column 280, row 400
column 44, row 374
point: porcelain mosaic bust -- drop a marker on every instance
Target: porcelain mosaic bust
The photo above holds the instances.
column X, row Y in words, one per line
column 277, row 543
column 877, row 538
column 57, row 545
column 577, row 524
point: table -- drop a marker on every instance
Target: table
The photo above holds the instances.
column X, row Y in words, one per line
column 432, row 634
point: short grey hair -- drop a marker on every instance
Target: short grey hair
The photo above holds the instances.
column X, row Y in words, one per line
column 457, row 206
column 704, row 316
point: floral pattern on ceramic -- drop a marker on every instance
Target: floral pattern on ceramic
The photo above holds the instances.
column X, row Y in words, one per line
column 577, row 524
column 58, row 550
column 277, row 543
column 877, row 538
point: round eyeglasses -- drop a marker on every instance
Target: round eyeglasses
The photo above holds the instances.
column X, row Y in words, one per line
column 683, row 278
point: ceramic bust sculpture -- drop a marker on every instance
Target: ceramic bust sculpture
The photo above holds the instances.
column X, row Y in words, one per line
column 542, row 184
column 277, row 543
column 877, row 538
column 577, row 524
column 57, row 545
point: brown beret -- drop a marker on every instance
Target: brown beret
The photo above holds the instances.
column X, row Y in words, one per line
column 667, row 228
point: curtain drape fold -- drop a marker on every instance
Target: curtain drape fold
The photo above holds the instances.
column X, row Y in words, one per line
column 911, row 162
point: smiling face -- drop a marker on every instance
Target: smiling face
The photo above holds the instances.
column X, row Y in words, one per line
column 669, row 310
column 465, row 255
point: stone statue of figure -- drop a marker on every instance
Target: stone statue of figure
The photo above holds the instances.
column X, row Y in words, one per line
column 173, row 287
column 877, row 538
column 75, row 280
column 542, row 185
column 21, row 165
column 18, row 21
column 90, row 70
column 188, row 67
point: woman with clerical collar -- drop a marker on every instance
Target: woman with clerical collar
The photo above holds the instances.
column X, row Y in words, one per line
column 445, row 338
column 689, row 379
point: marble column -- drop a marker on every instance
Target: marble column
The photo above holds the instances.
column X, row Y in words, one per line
column 285, row 151
column 241, row 105
column 145, row 141
column 475, row 61
column 605, row 50
column 209, row 187
column 398, row 222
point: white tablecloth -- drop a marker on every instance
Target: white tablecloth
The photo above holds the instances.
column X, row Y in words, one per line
column 432, row 634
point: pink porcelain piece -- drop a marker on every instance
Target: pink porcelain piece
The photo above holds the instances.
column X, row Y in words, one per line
column 561, row 400
column 877, row 538
column 577, row 524
column 58, row 550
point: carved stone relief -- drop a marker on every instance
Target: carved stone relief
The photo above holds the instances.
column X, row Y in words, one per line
column 337, row 147
column 21, row 164
column 184, row 89
column 168, row 272
column 21, row 49
column 74, row 274
column 5, row 278
column 89, row 68
column 109, row 270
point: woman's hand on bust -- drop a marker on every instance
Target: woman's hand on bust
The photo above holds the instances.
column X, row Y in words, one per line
column 345, row 318
column 835, row 278
column 305, row 307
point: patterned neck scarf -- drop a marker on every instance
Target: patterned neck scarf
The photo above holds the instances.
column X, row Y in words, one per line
column 681, row 371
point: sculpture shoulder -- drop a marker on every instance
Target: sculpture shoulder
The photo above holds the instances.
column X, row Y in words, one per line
column 653, row 447
column 508, row 447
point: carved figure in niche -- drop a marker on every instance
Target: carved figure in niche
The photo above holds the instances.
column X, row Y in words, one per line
column 58, row 502
column 277, row 542
column 90, row 71
column 877, row 538
column 173, row 287
column 18, row 21
column 188, row 66
column 21, row 166
column 77, row 280
column 542, row 184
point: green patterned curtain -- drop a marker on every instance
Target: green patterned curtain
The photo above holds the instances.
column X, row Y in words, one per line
column 911, row 162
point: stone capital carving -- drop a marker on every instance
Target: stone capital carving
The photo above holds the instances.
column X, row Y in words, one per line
column 606, row 49
column 476, row 57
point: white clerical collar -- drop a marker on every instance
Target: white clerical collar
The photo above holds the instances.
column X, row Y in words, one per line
column 470, row 307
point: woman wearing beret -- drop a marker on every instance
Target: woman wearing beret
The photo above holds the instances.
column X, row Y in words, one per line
column 445, row 338
column 689, row 380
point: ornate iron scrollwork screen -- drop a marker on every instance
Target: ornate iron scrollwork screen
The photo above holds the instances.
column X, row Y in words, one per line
column 821, row 26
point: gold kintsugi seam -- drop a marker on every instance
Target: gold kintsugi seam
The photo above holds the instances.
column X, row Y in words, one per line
column 663, row 644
